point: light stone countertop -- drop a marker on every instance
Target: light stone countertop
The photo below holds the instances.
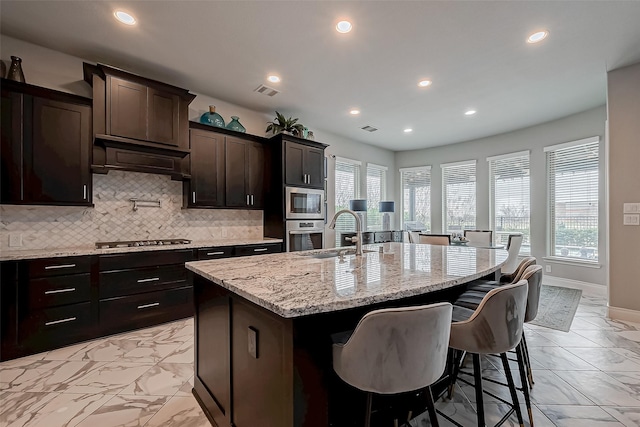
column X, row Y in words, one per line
column 91, row 250
column 295, row 284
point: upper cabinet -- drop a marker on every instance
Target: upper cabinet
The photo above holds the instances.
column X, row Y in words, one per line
column 139, row 124
column 303, row 162
column 206, row 187
column 45, row 150
column 244, row 173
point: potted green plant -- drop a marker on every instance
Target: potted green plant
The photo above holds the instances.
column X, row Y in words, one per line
column 282, row 125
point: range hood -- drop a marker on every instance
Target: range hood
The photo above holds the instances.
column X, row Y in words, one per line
column 139, row 124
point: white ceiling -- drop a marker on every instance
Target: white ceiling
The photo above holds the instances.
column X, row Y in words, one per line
column 475, row 53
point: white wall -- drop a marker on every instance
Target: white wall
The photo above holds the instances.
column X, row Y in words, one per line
column 571, row 128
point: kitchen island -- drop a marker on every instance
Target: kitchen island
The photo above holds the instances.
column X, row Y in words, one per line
column 263, row 326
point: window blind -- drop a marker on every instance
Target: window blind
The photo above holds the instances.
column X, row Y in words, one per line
column 572, row 182
column 347, row 187
column 416, row 198
column 376, row 192
column 459, row 196
column 510, row 202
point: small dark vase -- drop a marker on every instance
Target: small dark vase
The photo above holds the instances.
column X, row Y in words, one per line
column 15, row 70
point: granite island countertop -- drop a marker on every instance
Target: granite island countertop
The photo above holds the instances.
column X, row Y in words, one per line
column 18, row 255
column 295, row 284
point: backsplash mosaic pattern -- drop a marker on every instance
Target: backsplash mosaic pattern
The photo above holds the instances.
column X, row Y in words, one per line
column 113, row 217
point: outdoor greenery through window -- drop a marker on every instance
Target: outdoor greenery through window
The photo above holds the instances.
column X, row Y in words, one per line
column 572, row 181
column 347, row 188
column 510, row 198
column 376, row 192
column 416, row 198
column 459, row 196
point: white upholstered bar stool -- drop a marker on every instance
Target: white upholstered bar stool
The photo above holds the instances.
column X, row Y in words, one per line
column 495, row 327
column 396, row 350
column 513, row 248
column 435, row 239
column 414, row 236
column 484, row 237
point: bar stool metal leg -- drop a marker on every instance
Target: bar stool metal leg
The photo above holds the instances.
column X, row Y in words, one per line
column 523, row 380
column 528, row 362
column 512, row 388
column 477, row 374
column 433, row 417
column 367, row 420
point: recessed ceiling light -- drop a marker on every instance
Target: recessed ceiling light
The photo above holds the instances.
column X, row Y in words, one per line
column 424, row 83
column 470, row 113
column 354, row 112
column 538, row 36
column 124, row 17
column 344, row 26
column 274, row 79
column 408, row 130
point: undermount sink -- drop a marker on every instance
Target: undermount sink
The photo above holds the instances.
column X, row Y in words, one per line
column 330, row 253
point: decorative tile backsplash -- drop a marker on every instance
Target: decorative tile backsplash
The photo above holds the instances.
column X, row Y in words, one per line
column 113, row 217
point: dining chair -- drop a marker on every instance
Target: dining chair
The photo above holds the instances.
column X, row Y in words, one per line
column 484, row 237
column 513, row 248
column 395, row 350
column 414, row 236
column 435, row 239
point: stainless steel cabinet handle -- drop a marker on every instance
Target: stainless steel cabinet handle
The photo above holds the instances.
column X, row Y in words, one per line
column 252, row 200
column 53, row 267
column 247, row 200
column 59, row 291
column 153, row 279
column 193, row 197
column 55, row 322
column 260, row 249
column 215, row 253
column 153, row 304
column 84, row 192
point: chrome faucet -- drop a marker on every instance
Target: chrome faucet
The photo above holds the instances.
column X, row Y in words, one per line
column 357, row 239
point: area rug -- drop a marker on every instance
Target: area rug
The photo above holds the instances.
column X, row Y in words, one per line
column 557, row 307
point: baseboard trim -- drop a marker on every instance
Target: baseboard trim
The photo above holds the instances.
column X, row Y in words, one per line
column 619, row 313
column 591, row 289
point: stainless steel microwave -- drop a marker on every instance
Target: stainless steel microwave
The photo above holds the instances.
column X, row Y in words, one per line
column 304, row 203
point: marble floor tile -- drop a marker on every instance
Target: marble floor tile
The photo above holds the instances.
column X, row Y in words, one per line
column 567, row 339
column 163, row 379
column 150, row 352
column 606, row 359
column 125, row 411
column 181, row 333
column 179, row 411
column 183, row 354
column 630, row 353
column 550, row 389
column 73, row 352
column 28, row 363
column 57, row 379
column 628, row 416
column 579, row 416
column 186, row 388
column 630, row 379
column 48, row 409
column 601, row 388
column 534, row 339
column 623, row 339
column 604, row 324
column 558, row 358
column 110, row 378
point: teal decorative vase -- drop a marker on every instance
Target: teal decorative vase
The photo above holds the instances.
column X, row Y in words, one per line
column 234, row 124
column 212, row 118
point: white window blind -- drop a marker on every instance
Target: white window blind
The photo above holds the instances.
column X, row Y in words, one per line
column 459, row 196
column 347, row 182
column 510, row 202
column 376, row 192
column 572, row 181
column 416, row 198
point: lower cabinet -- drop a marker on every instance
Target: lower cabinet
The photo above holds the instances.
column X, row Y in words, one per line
column 52, row 302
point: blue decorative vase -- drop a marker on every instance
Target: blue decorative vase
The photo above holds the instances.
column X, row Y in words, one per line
column 212, row 118
column 234, row 124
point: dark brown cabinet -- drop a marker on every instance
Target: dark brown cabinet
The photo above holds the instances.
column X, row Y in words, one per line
column 304, row 165
column 46, row 140
column 206, row 187
column 244, row 173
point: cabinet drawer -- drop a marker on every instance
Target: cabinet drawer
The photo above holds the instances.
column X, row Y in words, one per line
column 215, row 253
column 53, row 327
column 128, row 282
column 59, row 290
column 258, row 249
column 144, row 259
column 145, row 309
column 58, row 266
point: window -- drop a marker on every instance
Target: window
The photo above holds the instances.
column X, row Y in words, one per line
column 416, row 198
column 376, row 192
column 510, row 203
column 572, row 182
column 459, row 196
column 347, row 188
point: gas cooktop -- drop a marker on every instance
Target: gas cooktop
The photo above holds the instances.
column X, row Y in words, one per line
column 136, row 243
